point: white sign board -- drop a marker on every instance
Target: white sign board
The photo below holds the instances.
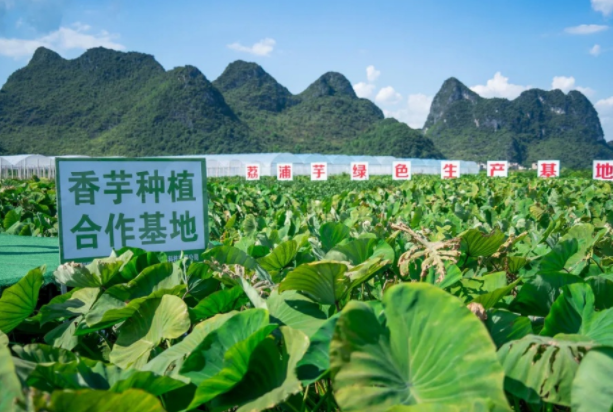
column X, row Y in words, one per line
column 603, row 170
column 497, row 168
column 548, row 168
column 319, row 171
column 450, row 169
column 285, row 171
column 106, row 204
column 252, row 171
column 359, row 171
column 401, row 170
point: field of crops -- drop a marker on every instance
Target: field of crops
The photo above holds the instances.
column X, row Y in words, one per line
column 472, row 294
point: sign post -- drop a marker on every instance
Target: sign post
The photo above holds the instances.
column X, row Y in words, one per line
column 450, row 169
column 359, row 171
column 319, row 171
column 498, row 168
column 603, row 170
column 401, row 170
column 548, row 168
column 105, row 204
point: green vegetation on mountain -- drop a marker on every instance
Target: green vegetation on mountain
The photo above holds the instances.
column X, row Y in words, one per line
column 537, row 125
column 112, row 103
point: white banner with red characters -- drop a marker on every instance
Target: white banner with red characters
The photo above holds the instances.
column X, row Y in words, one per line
column 401, row 170
column 497, row 168
column 603, row 169
column 285, row 171
column 319, row 171
column 252, row 171
column 548, row 168
column 359, row 171
column 450, row 169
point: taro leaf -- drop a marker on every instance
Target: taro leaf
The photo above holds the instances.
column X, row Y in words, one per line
column 19, row 301
column 602, row 286
column 331, row 233
column 222, row 301
column 480, row 244
column 250, row 225
column 254, row 296
column 139, row 263
column 110, row 310
column 76, row 275
column 63, row 336
column 10, row 388
column 230, row 255
column 280, row 257
column 488, row 300
column 90, row 400
column 39, row 353
column 362, row 273
column 316, row 361
column 161, row 363
column 10, row 219
column 296, row 311
column 538, row 367
column 515, row 263
column 355, row 252
column 4, row 340
column 147, row 381
column 271, row 377
column 418, row 357
column 538, row 293
column 323, row 281
column 573, row 313
column 222, row 359
column 591, row 388
column 156, row 319
column 153, row 278
column 556, row 260
column 506, row 326
column 79, row 303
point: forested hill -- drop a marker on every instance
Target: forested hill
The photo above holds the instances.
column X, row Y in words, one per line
column 107, row 102
column 537, row 125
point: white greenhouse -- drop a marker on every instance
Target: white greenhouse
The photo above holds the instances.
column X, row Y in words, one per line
column 218, row 165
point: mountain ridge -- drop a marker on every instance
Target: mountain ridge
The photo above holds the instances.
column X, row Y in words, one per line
column 106, row 102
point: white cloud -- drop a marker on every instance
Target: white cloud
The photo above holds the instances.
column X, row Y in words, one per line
column 416, row 111
column 567, row 84
column 596, row 50
column 262, row 48
column 605, row 113
column 372, row 74
column 364, row 90
column 63, row 39
column 387, row 95
column 499, row 86
column 603, row 6
column 563, row 83
column 586, row 29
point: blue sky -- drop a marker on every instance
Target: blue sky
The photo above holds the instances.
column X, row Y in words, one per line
column 397, row 53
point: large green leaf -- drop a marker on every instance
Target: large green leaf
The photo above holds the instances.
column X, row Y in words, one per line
column 76, row 275
column 230, row 255
column 155, row 320
column 19, row 301
column 10, row 388
column 89, row 400
column 175, row 354
column 538, row 367
column 316, row 361
column 332, row 233
column 280, row 257
column 420, row 356
column 222, row 359
column 538, row 293
column 79, row 303
column 506, row 326
column 480, row 244
column 10, row 219
column 296, row 311
column 271, row 377
column 355, row 252
column 222, row 301
column 574, row 312
column 591, row 388
column 323, row 281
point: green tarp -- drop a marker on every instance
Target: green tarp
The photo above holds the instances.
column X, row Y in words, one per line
column 19, row 254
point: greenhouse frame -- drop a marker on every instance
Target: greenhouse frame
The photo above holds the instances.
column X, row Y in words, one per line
column 219, row 165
